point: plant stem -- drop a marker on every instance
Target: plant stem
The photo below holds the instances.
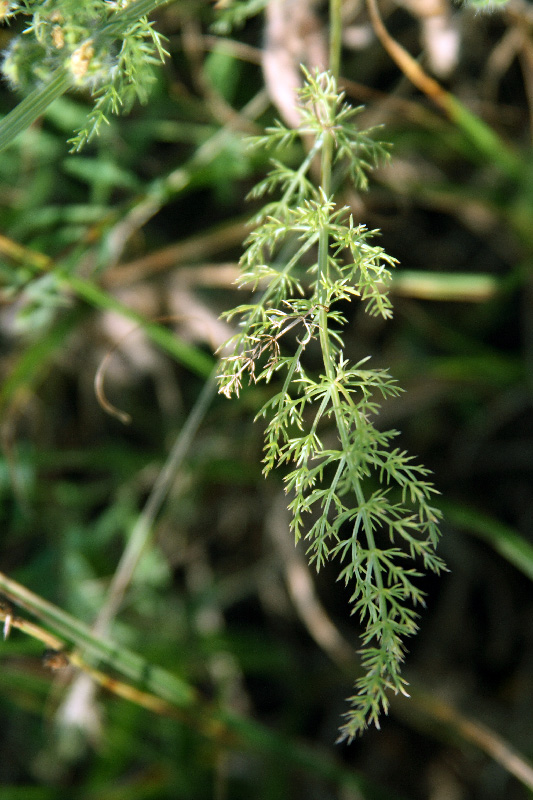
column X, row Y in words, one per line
column 152, row 678
column 33, row 106
column 335, row 37
column 131, row 13
column 323, row 250
column 329, row 365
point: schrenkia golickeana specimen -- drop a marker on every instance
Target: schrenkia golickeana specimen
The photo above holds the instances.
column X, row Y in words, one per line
column 357, row 499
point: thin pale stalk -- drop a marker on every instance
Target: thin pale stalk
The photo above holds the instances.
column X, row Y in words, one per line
column 141, row 533
column 329, row 366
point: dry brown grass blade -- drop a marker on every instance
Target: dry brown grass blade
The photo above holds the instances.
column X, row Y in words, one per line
column 108, row 407
column 474, row 732
column 57, row 657
column 407, row 63
column 196, row 248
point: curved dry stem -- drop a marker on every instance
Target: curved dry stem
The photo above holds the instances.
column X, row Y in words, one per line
column 487, row 142
column 99, row 377
column 478, row 734
column 108, row 407
column 407, row 63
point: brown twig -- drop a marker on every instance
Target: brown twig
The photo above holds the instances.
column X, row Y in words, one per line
column 407, row 63
column 195, row 248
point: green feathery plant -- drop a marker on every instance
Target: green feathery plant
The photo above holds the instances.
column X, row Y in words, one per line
column 367, row 503
column 105, row 47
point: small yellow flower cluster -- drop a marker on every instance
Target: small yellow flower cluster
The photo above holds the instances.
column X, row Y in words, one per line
column 81, row 59
column 58, row 36
column 7, row 9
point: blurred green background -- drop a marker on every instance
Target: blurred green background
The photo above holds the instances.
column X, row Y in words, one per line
column 147, row 223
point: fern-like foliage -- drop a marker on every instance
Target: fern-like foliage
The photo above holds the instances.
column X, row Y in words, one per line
column 104, row 46
column 359, row 499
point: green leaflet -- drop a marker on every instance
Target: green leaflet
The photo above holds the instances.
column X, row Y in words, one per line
column 364, row 502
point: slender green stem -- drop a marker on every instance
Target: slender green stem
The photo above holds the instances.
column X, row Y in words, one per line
column 33, row 106
column 301, row 171
column 131, row 13
column 358, row 489
column 329, row 366
column 323, row 252
column 335, row 37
